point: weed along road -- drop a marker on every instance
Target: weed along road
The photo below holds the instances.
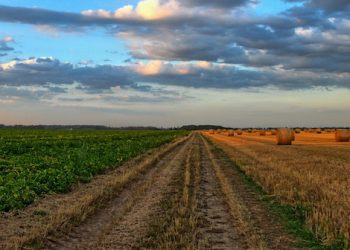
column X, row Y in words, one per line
column 187, row 194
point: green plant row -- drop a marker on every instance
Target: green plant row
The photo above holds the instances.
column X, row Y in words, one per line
column 38, row 162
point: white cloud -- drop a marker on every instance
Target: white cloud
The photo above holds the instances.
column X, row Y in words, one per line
column 145, row 9
column 306, row 33
column 124, row 12
column 12, row 64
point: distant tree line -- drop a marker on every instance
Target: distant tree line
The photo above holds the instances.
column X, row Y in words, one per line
column 101, row 127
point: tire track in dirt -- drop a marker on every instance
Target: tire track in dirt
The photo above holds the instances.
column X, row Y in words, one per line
column 217, row 227
column 257, row 226
column 207, row 210
column 123, row 222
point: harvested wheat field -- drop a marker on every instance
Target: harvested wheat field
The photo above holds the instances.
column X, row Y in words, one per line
column 186, row 195
column 311, row 176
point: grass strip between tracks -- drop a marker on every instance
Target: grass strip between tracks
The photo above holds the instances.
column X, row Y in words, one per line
column 177, row 226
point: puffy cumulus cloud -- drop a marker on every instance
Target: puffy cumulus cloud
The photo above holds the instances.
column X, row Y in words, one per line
column 226, row 76
column 145, row 9
column 159, row 67
column 155, row 9
column 50, row 80
column 311, row 41
column 43, row 71
column 56, row 75
column 170, row 9
column 270, row 43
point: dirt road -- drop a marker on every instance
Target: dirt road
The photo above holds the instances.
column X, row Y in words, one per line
column 187, row 196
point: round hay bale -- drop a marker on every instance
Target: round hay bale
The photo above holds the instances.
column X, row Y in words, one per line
column 273, row 132
column 239, row 132
column 211, row 131
column 318, row 131
column 284, row 136
column 342, row 135
column 297, row 131
column 231, row 133
column 262, row 132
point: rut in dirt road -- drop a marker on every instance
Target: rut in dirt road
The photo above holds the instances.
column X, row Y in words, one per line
column 123, row 222
column 196, row 215
column 217, row 227
column 258, row 228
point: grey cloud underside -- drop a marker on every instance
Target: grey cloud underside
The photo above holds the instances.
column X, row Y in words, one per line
column 45, row 71
column 326, row 5
column 244, row 45
column 5, row 47
column 241, row 79
column 69, row 20
column 43, row 16
column 217, row 3
column 51, row 73
column 261, row 43
column 10, row 92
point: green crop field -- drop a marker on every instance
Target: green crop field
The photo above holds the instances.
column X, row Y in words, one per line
column 37, row 162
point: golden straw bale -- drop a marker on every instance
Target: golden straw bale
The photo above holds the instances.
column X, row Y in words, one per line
column 342, row 135
column 231, row 133
column 284, row 136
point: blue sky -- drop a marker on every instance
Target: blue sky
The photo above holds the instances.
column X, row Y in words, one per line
column 67, row 46
column 150, row 64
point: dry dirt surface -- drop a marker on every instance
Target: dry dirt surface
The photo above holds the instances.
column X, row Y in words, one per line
column 183, row 196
